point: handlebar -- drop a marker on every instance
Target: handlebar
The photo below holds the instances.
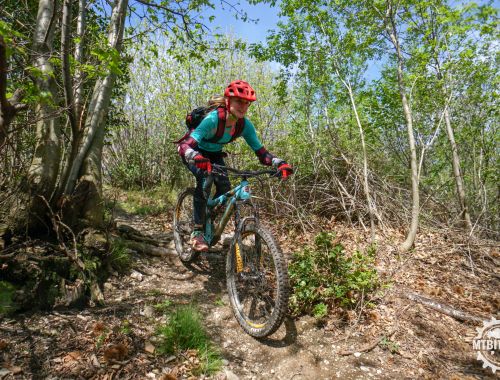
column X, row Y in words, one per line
column 220, row 170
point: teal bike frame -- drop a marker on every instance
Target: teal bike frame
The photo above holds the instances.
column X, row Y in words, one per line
column 239, row 194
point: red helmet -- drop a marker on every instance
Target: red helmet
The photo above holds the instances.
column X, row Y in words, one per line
column 241, row 89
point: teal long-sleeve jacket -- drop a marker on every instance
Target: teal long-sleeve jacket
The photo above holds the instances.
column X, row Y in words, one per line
column 208, row 128
column 199, row 140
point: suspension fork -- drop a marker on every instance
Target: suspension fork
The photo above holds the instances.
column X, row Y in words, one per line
column 236, row 242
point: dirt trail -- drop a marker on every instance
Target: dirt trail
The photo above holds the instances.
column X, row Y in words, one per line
column 116, row 341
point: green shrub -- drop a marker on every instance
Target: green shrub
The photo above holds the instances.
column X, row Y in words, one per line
column 324, row 275
column 119, row 256
column 183, row 331
column 320, row 310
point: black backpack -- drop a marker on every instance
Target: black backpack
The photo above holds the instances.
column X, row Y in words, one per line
column 195, row 117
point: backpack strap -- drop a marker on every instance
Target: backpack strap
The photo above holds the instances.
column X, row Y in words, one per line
column 221, row 125
column 238, row 130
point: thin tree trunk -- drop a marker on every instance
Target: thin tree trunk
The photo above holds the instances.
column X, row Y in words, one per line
column 459, row 182
column 80, row 33
column 366, row 186
column 67, row 82
column 415, row 211
column 457, row 172
column 72, row 89
column 462, row 199
column 6, row 109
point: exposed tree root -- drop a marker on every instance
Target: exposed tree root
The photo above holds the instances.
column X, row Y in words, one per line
column 136, row 241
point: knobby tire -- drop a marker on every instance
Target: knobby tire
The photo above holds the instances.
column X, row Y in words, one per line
column 183, row 226
column 263, row 272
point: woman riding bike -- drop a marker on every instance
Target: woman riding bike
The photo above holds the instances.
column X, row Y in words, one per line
column 199, row 150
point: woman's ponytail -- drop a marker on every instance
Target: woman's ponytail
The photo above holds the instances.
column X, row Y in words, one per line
column 217, row 101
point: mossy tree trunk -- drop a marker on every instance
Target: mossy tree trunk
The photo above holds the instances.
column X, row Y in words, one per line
column 30, row 207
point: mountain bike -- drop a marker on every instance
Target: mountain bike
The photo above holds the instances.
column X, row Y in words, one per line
column 256, row 270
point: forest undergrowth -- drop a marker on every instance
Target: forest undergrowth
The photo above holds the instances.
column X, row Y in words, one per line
column 371, row 312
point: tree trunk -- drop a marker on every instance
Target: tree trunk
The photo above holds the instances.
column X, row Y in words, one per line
column 84, row 176
column 415, row 209
column 366, row 186
column 65, row 54
column 80, row 33
column 457, row 172
column 433, row 40
column 73, row 90
column 30, row 210
column 89, row 187
column 6, row 109
column 459, row 182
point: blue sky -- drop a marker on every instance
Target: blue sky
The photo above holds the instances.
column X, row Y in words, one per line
column 251, row 32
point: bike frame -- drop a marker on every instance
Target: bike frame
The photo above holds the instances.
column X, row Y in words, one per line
column 241, row 192
column 238, row 194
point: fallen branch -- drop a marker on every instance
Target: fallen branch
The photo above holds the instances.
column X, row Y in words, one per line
column 370, row 346
column 445, row 309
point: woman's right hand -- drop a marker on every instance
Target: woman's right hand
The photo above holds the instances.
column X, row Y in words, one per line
column 202, row 163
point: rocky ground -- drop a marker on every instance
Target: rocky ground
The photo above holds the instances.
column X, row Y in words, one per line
column 398, row 339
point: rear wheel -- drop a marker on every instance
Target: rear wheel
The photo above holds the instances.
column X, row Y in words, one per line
column 183, row 226
column 257, row 281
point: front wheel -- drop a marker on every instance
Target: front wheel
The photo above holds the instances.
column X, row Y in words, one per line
column 183, row 226
column 257, row 281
